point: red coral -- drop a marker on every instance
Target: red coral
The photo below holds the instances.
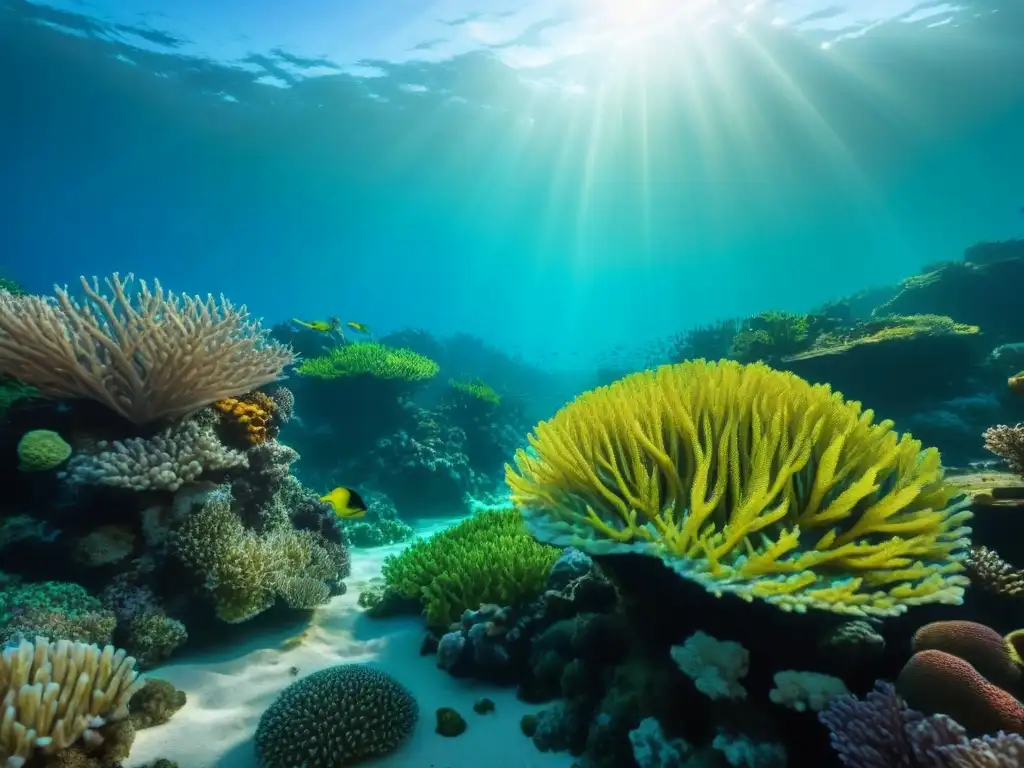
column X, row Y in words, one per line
column 935, row 682
column 980, row 646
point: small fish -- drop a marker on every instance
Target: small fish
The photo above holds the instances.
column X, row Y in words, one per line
column 348, row 505
column 358, row 327
column 323, row 326
column 1016, row 383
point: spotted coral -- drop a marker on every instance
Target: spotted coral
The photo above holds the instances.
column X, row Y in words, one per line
column 749, row 481
column 334, row 718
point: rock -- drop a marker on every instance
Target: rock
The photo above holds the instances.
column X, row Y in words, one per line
column 449, row 722
column 483, row 705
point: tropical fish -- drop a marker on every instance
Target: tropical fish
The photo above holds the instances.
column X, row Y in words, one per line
column 348, row 505
column 323, row 326
column 358, row 327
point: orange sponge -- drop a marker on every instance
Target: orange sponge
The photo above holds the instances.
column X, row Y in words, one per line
column 935, row 682
column 982, row 647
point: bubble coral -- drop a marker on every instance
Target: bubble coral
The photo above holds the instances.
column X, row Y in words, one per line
column 335, row 718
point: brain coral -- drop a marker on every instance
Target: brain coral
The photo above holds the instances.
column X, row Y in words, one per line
column 749, row 481
column 335, row 718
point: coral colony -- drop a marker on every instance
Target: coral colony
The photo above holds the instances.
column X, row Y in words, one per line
column 749, row 553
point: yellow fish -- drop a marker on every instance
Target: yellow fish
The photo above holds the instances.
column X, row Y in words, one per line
column 358, row 327
column 348, row 505
column 324, row 326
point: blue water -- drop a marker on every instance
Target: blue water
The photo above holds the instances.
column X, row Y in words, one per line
column 553, row 177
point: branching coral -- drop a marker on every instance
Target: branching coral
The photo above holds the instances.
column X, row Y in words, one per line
column 749, row 481
column 475, row 389
column 488, row 558
column 58, row 693
column 369, row 359
column 245, row 571
column 149, row 356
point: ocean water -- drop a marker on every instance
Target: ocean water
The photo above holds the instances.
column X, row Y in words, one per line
column 538, row 198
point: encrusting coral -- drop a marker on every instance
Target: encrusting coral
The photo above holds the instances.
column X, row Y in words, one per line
column 249, row 416
column 148, row 356
column 58, row 693
column 749, row 481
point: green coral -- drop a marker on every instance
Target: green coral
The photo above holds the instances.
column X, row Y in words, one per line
column 12, row 391
column 10, row 286
column 369, row 359
column 773, row 335
column 54, row 609
column 487, row 558
column 41, row 450
column 245, row 572
column 476, row 389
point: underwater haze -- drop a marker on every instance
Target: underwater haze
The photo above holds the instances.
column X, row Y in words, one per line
column 550, row 176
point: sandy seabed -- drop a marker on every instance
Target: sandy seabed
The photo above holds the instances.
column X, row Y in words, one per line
column 228, row 689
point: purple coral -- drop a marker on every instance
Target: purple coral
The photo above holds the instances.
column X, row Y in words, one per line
column 880, row 731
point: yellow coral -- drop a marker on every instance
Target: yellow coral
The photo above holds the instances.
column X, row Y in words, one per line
column 749, row 481
column 250, row 415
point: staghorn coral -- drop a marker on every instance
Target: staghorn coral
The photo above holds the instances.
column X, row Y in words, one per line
column 58, row 693
column 749, row 481
column 1008, row 444
column 369, row 359
column 244, row 571
column 334, row 718
column 40, row 450
column 154, row 355
column 989, row 571
column 180, row 454
column 488, row 558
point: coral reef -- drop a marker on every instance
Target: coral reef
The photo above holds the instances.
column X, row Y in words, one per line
column 743, row 492
column 335, row 718
column 40, row 450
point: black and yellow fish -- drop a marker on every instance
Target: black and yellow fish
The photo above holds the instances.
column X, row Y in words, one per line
column 347, row 504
